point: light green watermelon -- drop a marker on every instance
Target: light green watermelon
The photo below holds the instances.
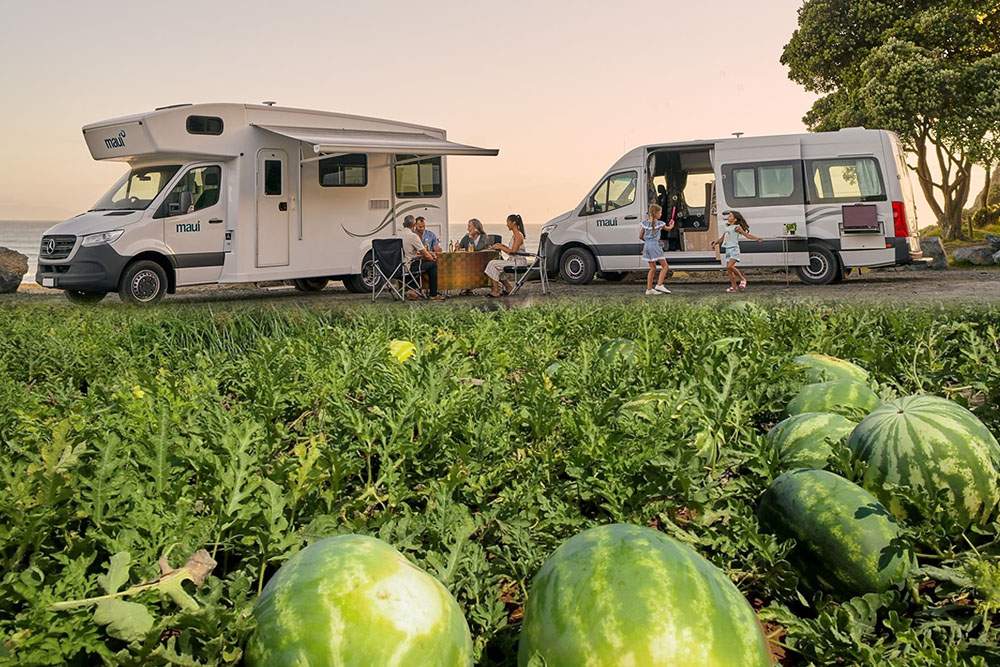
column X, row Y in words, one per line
column 843, row 397
column 931, row 444
column 806, row 440
column 625, row 595
column 845, row 539
column 355, row 601
column 618, row 350
column 824, row 368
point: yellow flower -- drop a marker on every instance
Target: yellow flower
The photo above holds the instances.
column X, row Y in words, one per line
column 402, row 350
column 138, row 392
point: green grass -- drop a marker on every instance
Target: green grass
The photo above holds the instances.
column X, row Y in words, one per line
column 251, row 432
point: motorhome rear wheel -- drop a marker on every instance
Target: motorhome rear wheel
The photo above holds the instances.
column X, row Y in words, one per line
column 823, row 267
column 310, row 284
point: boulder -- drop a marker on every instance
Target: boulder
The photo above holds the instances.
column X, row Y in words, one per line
column 996, row 257
column 933, row 248
column 993, row 241
column 13, row 266
column 980, row 255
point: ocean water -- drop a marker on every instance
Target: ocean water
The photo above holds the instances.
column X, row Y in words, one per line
column 25, row 237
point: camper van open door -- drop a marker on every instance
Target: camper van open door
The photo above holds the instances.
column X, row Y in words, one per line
column 272, row 208
column 762, row 178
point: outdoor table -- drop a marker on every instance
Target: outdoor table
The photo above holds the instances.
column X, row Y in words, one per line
column 464, row 270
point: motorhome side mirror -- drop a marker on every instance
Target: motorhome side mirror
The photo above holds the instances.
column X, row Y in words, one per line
column 173, row 207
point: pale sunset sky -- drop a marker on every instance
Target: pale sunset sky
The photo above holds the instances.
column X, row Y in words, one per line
column 561, row 87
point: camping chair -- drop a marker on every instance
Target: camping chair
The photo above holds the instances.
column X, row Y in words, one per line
column 536, row 263
column 493, row 238
column 388, row 266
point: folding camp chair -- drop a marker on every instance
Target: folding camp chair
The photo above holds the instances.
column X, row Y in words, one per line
column 388, row 266
column 521, row 273
column 493, row 238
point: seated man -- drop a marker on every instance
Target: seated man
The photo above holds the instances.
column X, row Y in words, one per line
column 420, row 260
column 427, row 237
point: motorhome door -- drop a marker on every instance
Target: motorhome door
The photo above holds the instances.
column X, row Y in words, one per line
column 194, row 215
column 762, row 179
column 613, row 217
column 272, row 208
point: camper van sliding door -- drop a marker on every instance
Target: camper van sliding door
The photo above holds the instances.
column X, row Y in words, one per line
column 272, row 208
column 762, row 179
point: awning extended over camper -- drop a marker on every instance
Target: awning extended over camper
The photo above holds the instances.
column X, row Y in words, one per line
column 330, row 142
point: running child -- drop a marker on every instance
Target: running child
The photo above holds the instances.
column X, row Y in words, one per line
column 735, row 227
column 652, row 251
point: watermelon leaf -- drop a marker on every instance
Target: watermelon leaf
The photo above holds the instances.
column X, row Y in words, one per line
column 128, row 621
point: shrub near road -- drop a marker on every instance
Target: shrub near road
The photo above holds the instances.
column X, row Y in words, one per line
column 130, row 436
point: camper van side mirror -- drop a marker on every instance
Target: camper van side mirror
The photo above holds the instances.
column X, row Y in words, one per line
column 173, row 207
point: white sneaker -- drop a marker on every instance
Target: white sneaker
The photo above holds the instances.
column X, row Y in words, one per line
column 662, row 289
column 651, row 292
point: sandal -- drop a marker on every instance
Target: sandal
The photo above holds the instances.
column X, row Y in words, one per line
column 730, row 290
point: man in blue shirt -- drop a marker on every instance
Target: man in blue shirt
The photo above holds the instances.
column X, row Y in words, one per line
column 428, row 237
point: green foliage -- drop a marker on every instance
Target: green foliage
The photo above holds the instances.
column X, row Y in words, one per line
column 251, row 432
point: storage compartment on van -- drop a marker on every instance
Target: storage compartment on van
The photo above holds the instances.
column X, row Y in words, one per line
column 683, row 182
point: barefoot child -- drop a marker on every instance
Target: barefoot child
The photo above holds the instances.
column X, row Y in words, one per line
column 735, row 227
column 652, row 251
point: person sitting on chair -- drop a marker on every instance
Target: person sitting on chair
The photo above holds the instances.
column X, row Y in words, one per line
column 495, row 268
column 427, row 237
column 476, row 238
column 420, row 261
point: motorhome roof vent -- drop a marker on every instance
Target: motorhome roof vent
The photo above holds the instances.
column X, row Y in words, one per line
column 738, row 134
column 268, row 103
column 173, row 106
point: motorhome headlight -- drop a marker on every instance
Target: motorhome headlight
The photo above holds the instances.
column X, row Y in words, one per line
column 548, row 228
column 101, row 238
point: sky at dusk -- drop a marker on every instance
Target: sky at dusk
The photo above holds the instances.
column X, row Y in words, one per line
column 562, row 88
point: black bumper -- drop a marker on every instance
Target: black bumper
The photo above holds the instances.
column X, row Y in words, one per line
column 94, row 269
column 901, row 244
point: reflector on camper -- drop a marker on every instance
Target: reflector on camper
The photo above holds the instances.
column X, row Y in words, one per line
column 327, row 141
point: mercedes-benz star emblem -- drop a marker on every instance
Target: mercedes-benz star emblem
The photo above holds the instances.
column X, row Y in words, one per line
column 49, row 246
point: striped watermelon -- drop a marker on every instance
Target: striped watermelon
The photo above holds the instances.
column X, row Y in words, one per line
column 931, row 444
column 355, row 601
column 845, row 539
column 626, row 595
column 806, row 440
column 618, row 350
column 843, row 397
column 824, row 368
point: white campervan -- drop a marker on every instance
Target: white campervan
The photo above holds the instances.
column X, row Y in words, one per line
column 824, row 203
column 230, row 193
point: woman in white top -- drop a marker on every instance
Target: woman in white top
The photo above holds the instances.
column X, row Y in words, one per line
column 735, row 227
column 495, row 269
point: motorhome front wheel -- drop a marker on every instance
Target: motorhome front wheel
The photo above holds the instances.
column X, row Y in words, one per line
column 143, row 283
column 822, row 269
column 577, row 266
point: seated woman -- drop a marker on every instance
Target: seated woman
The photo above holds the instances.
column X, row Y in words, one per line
column 476, row 239
column 495, row 269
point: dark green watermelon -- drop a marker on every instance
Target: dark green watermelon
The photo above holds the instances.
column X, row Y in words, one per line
column 851, row 399
column 806, row 440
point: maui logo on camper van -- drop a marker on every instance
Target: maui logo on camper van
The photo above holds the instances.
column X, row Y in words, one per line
column 188, row 227
column 116, row 141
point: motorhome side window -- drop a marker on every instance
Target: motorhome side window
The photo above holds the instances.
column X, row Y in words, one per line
column 845, row 180
column 204, row 125
column 765, row 184
column 197, row 189
column 418, row 177
column 614, row 192
column 344, row 171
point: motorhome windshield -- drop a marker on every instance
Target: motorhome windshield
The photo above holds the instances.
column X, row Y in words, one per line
column 137, row 189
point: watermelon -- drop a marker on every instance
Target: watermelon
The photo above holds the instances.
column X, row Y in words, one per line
column 353, row 600
column 845, row 539
column 627, row 595
column 843, row 397
column 930, row 444
column 806, row 440
column 618, row 349
column 824, row 368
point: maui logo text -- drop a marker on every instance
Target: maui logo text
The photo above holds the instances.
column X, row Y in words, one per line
column 116, row 142
column 188, row 227
column 613, row 222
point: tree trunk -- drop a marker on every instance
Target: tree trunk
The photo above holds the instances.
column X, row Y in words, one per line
column 955, row 185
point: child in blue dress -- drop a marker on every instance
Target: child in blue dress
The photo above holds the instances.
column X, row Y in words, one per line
column 652, row 251
column 735, row 226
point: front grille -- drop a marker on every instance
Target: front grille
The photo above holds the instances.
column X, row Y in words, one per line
column 57, row 246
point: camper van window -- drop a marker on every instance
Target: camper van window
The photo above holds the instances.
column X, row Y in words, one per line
column 845, row 180
column 746, row 182
column 616, row 191
column 776, row 182
column 196, row 190
column 272, row 177
column 344, row 171
column 421, row 178
column 137, row 189
column 204, row 125
column 763, row 184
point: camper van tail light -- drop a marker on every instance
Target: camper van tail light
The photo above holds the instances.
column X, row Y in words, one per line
column 102, row 238
column 899, row 220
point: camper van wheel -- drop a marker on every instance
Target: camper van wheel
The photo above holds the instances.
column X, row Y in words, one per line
column 822, row 269
column 362, row 283
column 613, row 276
column 143, row 283
column 84, row 298
column 577, row 266
column 310, row 284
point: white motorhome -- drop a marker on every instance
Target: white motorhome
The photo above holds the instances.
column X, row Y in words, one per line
column 824, row 203
column 231, row 193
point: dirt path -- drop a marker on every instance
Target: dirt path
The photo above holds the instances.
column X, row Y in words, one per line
column 900, row 287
